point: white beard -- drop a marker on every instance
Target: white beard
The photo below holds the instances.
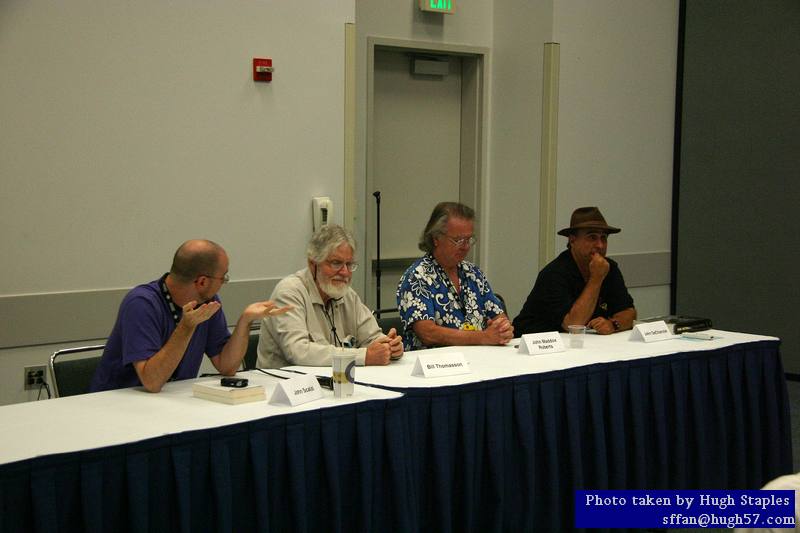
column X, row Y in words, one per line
column 334, row 291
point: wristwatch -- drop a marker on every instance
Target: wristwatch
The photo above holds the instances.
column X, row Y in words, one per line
column 616, row 323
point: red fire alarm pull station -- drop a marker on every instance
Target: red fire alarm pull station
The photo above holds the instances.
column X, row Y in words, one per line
column 262, row 69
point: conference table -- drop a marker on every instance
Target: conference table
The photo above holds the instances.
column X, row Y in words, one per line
column 503, row 447
column 129, row 460
column 500, row 448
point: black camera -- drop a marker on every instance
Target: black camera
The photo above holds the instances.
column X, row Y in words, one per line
column 237, row 383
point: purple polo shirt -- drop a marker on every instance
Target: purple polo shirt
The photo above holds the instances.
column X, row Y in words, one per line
column 143, row 326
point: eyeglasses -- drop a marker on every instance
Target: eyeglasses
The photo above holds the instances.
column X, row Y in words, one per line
column 352, row 266
column 225, row 279
column 469, row 241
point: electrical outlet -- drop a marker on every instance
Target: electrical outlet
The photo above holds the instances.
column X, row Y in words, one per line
column 35, row 376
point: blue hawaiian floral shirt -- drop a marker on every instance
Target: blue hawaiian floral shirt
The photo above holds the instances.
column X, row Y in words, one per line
column 426, row 293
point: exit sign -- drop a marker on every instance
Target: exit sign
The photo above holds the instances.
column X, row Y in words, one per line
column 437, row 6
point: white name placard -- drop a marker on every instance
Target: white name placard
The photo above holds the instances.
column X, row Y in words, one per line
column 538, row 343
column 651, row 332
column 296, row 391
column 438, row 365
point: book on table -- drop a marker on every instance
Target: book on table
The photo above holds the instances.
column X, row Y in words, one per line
column 213, row 391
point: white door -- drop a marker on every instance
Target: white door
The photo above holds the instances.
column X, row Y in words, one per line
column 416, row 159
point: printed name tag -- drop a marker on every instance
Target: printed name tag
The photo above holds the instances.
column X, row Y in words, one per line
column 651, row 332
column 296, row 391
column 438, row 365
column 536, row 343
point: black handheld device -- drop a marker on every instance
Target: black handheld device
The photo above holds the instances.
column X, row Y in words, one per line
column 326, row 382
column 237, row 383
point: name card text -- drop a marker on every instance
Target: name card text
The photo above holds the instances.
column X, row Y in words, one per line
column 651, row 332
column 296, row 391
column 539, row 343
column 438, row 365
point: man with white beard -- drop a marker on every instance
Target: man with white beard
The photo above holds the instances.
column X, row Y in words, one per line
column 326, row 314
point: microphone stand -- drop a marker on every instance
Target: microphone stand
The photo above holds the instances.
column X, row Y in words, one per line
column 377, row 195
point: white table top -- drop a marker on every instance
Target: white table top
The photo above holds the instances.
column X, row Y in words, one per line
column 495, row 362
column 122, row 416
column 109, row 418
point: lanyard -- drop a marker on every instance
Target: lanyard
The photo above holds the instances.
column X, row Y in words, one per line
column 336, row 341
column 174, row 310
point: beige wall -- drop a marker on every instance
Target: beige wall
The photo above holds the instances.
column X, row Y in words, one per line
column 616, row 126
column 137, row 125
column 512, row 209
column 623, row 127
column 146, row 129
column 129, row 127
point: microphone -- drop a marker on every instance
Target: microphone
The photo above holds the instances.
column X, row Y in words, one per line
column 377, row 195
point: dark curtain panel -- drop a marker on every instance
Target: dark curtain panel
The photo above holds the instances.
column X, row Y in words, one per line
column 738, row 172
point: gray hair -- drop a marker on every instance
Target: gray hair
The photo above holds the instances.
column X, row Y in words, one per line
column 436, row 224
column 326, row 239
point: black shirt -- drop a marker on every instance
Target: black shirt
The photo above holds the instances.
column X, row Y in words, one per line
column 557, row 287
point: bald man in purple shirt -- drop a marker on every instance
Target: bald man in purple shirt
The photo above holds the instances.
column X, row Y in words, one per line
column 164, row 327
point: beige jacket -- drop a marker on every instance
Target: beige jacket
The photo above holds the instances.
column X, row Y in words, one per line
column 303, row 336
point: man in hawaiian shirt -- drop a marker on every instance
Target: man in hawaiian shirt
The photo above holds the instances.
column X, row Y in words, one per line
column 444, row 300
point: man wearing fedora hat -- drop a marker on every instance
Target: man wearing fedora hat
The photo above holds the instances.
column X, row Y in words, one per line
column 580, row 286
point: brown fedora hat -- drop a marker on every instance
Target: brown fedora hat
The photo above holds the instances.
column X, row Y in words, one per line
column 587, row 218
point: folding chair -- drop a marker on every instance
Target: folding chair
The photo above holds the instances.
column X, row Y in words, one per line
column 73, row 375
column 388, row 322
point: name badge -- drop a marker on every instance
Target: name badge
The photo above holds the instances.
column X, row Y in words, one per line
column 651, row 332
column 296, row 391
column 538, row 343
column 438, row 365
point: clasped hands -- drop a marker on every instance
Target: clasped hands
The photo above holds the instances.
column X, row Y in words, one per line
column 384, row 349
column 499, row 330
